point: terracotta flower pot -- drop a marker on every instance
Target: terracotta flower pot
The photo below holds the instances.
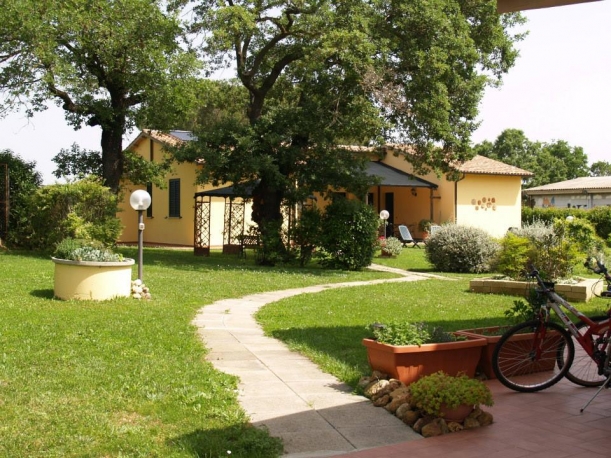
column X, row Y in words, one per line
column 457, row 414
column 410, row 362
column 492, row 335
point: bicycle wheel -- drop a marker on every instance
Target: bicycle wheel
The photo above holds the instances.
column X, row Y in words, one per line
column 524, row 362
column 584, row 370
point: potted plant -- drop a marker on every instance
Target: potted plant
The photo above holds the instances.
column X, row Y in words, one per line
column 390, row 246
column 408, row 351
column 518, row 313
column 450, row 397
column 424, row 226
column 85, row 269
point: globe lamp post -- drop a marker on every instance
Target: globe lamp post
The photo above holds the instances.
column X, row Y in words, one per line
column 140, row 200
column 384, row 215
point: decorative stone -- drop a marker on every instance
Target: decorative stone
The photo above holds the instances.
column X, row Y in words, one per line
column 422, row 422
column 437, row 427
column 410, row 417
column 471, row 423
column 395, row 397
column 454, row 427
column 378, row 375
column 402, row 411
column 485, row 419
column 374, row 387
column 364, row 381
column 400, row 392
column 394, row 404
column 381, row 401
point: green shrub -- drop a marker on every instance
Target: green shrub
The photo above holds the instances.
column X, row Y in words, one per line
column 85, row 250
column 306, row 234
column 554, row 248
column 83, row 209
column 514, row 256
column 461, row 249
column 599, row 217
column 391, row 245
column 434, row 391
column 406, row 333
column 349, row 235
column 23, row 181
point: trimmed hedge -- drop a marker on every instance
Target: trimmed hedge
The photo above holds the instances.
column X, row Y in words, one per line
column 599, row 217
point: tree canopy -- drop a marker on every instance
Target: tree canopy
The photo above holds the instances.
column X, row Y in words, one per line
column 23, row 181
column 550, row 162
column 318, row 74
column 112, row 64
column 600, row 169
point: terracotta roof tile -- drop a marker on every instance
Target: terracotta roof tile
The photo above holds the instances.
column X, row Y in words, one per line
column 485, row 166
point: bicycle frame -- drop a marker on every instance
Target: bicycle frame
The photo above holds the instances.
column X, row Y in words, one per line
column 556, row 302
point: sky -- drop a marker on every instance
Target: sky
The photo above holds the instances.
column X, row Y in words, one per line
column 559, row 89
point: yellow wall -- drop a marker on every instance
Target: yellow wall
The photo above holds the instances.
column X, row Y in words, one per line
column 490, row 202
column 452, row 201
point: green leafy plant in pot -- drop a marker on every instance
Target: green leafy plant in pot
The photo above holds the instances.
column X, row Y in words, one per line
column 406, row 333
column 442, row 395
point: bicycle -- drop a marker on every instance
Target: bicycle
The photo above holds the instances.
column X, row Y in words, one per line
column 536, row 354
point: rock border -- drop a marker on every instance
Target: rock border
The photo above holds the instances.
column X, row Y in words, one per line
column 395, row 397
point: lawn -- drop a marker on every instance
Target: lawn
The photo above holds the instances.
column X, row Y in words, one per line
column 125, row 377
column 328, row 327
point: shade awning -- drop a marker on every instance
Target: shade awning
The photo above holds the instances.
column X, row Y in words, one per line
column 244, row 191
column 389, row 176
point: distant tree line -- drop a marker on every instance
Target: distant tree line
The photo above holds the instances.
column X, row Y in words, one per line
column 550, row 162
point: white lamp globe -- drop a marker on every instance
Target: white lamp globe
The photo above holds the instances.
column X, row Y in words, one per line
column 384, row 214
column 140, row 200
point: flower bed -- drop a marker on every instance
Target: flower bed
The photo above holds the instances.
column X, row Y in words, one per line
column 581, row 291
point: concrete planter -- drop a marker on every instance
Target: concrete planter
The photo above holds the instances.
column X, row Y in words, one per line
column 581, row 292
column 98, row 281
column 408, row 363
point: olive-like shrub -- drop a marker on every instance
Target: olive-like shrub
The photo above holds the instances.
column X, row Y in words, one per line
column 553, row 248
column 349, row 235
column 456, row 248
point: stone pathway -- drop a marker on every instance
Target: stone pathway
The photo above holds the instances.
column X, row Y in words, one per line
column 313, row 413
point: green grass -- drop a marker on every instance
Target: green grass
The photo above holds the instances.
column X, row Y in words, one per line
column 125, row 377
column 328, row 327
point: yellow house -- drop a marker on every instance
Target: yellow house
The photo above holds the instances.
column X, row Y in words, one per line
column 486, row 194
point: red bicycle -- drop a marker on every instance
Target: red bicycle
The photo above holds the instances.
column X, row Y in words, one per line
column 536, row 354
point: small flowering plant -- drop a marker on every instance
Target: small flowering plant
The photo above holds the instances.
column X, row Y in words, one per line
column 433, row 392
column 391, row 245
column 85, row 250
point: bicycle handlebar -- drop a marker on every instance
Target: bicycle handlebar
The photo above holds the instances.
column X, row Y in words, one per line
column 600, row 268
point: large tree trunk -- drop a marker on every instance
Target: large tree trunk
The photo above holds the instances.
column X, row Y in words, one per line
column 266, row 212
column 112, row 155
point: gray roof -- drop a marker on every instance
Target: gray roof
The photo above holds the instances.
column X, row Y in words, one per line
column 183, row 135
column 389, row 176
column 590, row 184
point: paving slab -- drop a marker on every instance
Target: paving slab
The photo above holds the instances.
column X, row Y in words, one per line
column 314, row 413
